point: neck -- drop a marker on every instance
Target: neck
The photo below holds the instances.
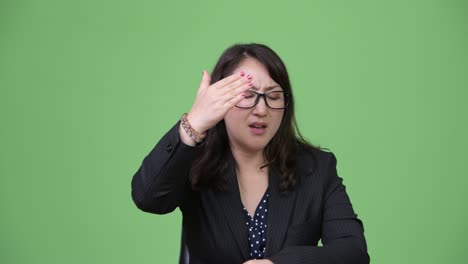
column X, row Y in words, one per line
column 248, row 162
column 250, row 178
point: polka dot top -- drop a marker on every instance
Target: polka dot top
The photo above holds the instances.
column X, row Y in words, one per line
column 257, row 228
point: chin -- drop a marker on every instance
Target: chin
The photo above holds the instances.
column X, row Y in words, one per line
column 250, row 144
column 255, row 146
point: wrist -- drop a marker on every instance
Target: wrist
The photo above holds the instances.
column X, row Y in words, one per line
column 190, row 130
column 196, row 124
column 185, row 137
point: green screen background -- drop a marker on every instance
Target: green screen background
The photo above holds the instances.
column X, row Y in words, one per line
column 88, row 88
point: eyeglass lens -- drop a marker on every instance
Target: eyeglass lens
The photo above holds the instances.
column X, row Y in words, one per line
column 274, row 99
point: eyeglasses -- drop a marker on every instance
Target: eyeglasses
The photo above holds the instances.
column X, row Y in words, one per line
column 274, row 100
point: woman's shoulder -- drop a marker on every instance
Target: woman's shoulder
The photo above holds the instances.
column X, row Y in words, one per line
column 314, row 155
column 314, row 162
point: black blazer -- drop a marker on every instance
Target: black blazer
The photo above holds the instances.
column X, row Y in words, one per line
column 213, row 222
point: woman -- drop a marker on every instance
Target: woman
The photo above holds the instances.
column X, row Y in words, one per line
column 250, row 188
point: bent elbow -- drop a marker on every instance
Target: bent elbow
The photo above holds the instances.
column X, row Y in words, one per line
column 350, row 250
column 154, row 205
column 362, row 257
column 358, row 252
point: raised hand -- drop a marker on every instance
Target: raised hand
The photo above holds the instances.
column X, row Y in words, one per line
column 212, row 102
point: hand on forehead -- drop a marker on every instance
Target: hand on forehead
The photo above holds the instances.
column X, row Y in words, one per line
column 261, row 78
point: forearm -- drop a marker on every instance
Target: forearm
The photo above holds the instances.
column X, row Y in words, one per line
column 344, row 251
column 160, row 183
column 342, row 232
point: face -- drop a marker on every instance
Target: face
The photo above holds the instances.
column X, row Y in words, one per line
column 251, row 129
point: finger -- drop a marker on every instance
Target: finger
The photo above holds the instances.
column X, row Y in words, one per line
column 236, row 84
column 226, row 93
column 228, row 80
column 235, row 100
column 238, row 90
column 228, row 96
column 206, row 79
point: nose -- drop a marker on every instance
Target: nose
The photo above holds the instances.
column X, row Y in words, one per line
column 261, row 108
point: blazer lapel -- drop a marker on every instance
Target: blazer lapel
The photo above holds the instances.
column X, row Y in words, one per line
column 280, row 209
column 232, row 207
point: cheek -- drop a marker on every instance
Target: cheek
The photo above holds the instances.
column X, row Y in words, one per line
column 233, row 116
column 276, row 122
column 278, row 117
column 232, row 119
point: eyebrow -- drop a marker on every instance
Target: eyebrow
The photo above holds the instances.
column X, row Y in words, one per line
column 266, row 89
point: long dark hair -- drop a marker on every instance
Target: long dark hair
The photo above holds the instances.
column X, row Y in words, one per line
column 279, row 152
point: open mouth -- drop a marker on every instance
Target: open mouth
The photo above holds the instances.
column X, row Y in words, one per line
column 258, row 128
column 258, row 125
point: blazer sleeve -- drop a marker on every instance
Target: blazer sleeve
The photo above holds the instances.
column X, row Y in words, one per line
column 342, row 232
column 160, row 183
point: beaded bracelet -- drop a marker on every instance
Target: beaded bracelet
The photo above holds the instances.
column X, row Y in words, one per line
column 190, row 131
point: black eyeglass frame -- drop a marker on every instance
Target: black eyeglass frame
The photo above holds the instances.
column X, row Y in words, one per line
column 264, row 95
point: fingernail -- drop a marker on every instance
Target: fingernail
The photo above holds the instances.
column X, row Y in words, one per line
column 249, row 77
column 242, row 73
column 250, row 84
column 243, row 94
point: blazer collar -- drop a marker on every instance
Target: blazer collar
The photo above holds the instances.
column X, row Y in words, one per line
column 280, row 211
column 231, row 204
column 280, row 208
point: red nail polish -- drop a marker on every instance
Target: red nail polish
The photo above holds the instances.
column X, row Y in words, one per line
column 242, row 73
column 249, row 77
column 250, row 84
